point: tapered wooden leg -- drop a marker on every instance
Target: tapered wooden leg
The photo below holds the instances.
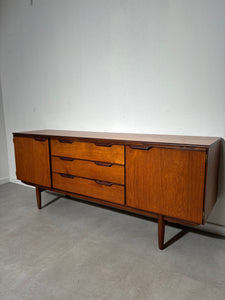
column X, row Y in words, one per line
column 38, row 196
column 161, row 231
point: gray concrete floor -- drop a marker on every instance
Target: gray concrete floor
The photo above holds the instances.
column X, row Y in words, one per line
column 72, row 250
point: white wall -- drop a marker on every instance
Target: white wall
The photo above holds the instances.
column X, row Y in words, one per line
column 4, row 167
column 154, row 66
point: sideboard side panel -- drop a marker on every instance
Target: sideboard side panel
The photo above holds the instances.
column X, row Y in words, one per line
column 212, row 177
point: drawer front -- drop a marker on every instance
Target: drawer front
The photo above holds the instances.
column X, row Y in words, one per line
column 88, row 151
column 86, row 187
column 89, row 169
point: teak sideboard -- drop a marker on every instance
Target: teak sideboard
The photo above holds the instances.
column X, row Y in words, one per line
column 171, row 178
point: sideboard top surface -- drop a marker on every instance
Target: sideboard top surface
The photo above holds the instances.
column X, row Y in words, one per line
column 195, row 141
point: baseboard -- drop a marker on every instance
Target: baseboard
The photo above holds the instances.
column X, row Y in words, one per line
column 14, row 180
column 4, row 180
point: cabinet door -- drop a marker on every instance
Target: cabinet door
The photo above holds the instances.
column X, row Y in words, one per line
column 32, row 160
column 166, row 181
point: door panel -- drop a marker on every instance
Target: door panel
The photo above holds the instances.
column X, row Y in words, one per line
column 32, row 160
column 166, row 181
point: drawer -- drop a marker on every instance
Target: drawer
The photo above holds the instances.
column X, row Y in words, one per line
column 89, row 169
column 88, row 151
column 113, row 193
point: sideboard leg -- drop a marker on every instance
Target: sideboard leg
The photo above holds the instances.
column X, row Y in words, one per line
column 161, row 231
column 38, row 196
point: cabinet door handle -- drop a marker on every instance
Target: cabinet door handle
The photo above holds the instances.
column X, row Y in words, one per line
column 65, row 141
column 67, row 175
column 103, row 144
column 67, row 158
column 104, row 164
column 140, row 147
column 104, row 182
column 40, row 139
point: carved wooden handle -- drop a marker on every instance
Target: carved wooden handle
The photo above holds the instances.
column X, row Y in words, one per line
column 67, row 175
column 67, row 158
column 140, row 147
column 103, row 144
column 104, row 164
column 104, row 182
column 40, row 139
column 65, row 141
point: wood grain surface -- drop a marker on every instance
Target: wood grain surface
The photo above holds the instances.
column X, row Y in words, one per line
column 88, row 151
column 113, row 193
column 89, row 169
column 198, row 141
column 165, row 181
column 32, row 160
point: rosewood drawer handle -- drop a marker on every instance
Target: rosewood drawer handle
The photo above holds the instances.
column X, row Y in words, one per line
column 67, row 158
column 67, row 175
column 103, row 144
column 40, row 139
column 104, row 164
column 104, row 182
column 140, row 147
column 65, row 141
